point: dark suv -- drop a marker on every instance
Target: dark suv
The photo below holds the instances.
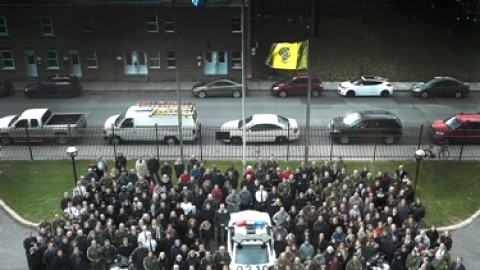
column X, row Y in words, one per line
column 55, row 86
column 296, row 86
column 367, row 126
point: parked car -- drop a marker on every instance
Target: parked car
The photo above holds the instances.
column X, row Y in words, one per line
column 367, row 125
column 220, row 87
column 37, row 125
column 441, row 86
column 296, row 86
column 55, row 86
column 6, row 88
column 460, row 128
column 262, row 128
column 366, row 86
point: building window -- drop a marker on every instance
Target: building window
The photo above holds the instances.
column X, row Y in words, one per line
column 171, row 60
column 87, row 23
column 7, row 60
column 91, row 59
column 3, row 26
column 47, row 26
column 169, row 24
column 152, row 24
column 236, row 60
column 154, row 59
column 52, row 59
column 236, row 25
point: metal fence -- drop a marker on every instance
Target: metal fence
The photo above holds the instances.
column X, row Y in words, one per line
column 207, row 146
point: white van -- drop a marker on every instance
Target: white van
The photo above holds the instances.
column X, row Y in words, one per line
column 152, row 121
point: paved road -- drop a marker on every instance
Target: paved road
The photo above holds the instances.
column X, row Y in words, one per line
column 12, row 234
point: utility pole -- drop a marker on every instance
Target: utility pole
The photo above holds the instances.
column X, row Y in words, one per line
column 309, row 88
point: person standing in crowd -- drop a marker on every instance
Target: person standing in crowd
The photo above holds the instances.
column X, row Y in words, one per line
column 94, row 256
column 150, row 262
column 221, row 258
column 121, row 162
column 457, row 264
column 221, row 219
column 137, row 256
column 141, row 166
column 153, row 166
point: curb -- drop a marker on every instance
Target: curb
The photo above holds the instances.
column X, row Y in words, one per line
column 16, row 216
column 27, row 223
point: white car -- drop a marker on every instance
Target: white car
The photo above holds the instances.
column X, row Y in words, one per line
column 261, row 128
column 250, row 241
column 366, row 86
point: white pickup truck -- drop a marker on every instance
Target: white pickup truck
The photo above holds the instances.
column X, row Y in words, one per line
column 37, row 125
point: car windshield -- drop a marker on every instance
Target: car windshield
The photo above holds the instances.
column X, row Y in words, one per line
column 283, row 121
column 357, row 81
column 251, row 254
column 452, row 123
column 119, row 119
column 352, row 119
column 248, row 119
column 13, row 120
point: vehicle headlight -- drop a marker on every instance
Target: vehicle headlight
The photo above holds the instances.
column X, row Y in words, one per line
column 439, row 133
column 276, row 88
column 416, row 89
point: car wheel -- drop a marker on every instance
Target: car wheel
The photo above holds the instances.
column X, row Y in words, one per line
column 344, row 139
column 201, row 94
column 315, row 93
column 384, row 93
column 170, row 140
column 424, row 94
column 236, row 140
column 281, row 140
column 237, row 94
column 283, row 94
column 115, row 140
column 5, row 140
column 458, row 94
column 389, row 140
column 62, row 139
column 351, row 93
column 31, row 94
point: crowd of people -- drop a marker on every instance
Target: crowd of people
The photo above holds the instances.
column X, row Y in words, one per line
column 152, row 215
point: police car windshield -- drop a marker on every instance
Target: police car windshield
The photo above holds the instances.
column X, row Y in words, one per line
column 251, row 254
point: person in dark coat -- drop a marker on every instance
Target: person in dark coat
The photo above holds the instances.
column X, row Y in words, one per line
column 153, row 166
column 121, row 162
column 178, row 167
column 60, row 261
column 49, row 255
column 138, row 255
column 77, row 260
column 34, row 259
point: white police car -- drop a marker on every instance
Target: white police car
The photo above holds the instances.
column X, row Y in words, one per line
column 250, row 241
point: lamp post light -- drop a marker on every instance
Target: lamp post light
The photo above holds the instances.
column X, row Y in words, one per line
column 73, row 152
column 419, row 155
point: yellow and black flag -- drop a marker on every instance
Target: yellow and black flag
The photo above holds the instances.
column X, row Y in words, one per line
column 286, row 55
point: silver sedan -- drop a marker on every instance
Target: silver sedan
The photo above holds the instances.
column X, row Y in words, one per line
column 220, row 87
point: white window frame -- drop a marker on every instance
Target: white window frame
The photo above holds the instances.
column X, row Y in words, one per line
column 154, row 59
column 5, row 60
column 237, row 25
column 3, row 25
column 152, row 23
column 169, row 24
column 236, row 59
column 55, row 59
column 171, row 58
column 87, row 24
column 44, row 26
column 91, row 57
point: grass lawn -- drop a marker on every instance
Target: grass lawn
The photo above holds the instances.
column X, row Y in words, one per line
column 450, row 190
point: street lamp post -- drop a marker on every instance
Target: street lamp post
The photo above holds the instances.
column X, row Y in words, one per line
column 419, row 155
column 73, row 152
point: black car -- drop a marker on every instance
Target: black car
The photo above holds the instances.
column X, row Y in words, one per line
column 55, row 86
column 6, row 88
column 367, row 126
column 441, row 86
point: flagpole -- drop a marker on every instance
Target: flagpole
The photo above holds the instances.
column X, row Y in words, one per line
column 244, row 90
column 309, row 87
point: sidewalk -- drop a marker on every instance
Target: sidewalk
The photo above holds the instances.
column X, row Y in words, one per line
column 187, row 86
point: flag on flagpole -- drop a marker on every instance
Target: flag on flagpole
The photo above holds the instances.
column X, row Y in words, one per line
column 286, row 55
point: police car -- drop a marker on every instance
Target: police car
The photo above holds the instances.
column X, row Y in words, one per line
column 250, row 241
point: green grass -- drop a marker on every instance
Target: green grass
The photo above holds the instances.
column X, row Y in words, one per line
column 450, row 190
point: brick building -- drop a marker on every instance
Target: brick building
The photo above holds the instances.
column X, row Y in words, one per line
column 122, row 40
